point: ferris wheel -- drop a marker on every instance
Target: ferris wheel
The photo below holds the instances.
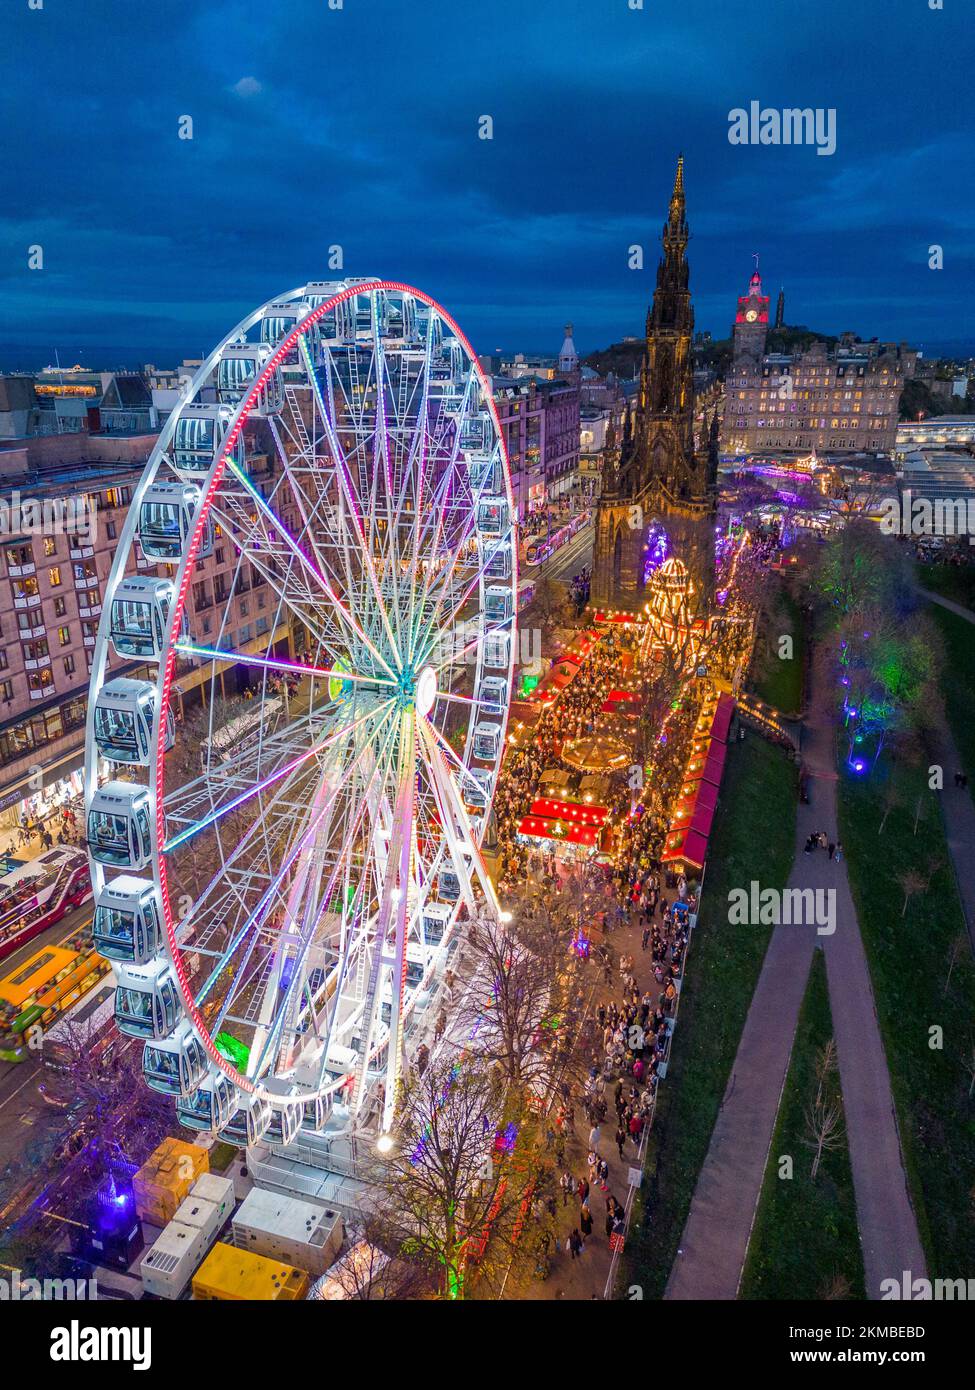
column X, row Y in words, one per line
column 310, row 623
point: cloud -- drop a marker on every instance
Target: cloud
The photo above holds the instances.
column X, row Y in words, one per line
column 154, row 244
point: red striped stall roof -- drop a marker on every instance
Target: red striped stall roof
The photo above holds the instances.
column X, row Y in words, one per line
column 542, row 828
column 584, row 813
column 698, row 793
column 686, row 846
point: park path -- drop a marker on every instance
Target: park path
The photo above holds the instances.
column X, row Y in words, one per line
column 715, row 1239
column 712, row 1249
column 948, row 603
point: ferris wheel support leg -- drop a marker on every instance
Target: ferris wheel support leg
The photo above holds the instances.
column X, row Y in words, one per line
column 395, row 900
column 457, row 828
column 404, row 849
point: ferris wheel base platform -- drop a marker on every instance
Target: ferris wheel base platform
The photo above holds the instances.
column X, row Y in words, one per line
column 305, row 1169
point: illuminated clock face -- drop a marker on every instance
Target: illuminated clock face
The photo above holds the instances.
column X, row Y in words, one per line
column 751, row 315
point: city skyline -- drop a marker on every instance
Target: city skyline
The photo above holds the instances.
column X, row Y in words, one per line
column 151, row 242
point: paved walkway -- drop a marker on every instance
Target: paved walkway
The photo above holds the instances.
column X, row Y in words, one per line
column 948, row 603
column 585, row 1278
column 716, row 1236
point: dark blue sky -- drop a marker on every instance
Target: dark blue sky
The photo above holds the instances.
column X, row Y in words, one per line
column 358, row 126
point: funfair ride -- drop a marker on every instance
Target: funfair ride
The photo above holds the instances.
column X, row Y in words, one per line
column 277, row 881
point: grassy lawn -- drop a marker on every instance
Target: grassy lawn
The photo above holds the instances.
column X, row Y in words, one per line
column 805, row 1241
column 923, row 978
column 958, row 682
column 776, row 681
column 753, row 838
column 956, row 582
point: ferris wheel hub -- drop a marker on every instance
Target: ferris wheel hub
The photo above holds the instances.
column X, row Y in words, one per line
column 426, row 691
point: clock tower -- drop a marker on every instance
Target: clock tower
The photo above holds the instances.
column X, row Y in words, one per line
column 751, row 324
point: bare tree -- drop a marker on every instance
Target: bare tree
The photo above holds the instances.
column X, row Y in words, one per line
column 549, row 607
column 891, row 800
column 459, row 1195
column 912, row 884
column 824, row 1125
column 835, row 1289
column 970, row 1068
column 825, row 1068
column 516, row 1004
column 959, row 947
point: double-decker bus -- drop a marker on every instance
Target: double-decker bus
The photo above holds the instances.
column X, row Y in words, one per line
column 43, row 987
column 40, row 892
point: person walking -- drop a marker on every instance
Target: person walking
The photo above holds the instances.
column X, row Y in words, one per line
column 585, row 1222
column 620, row 1138
column 574, row 1243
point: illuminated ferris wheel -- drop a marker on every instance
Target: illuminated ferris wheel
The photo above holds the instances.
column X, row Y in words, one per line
column 315, row 597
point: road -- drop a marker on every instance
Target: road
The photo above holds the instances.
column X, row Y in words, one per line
column 572, row 558
column 24, row 1118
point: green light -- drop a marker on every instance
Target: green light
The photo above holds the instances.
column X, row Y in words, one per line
column 236, row 1052
column 339, row 689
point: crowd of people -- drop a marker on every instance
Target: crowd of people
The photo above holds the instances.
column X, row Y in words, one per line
column 630, row 1039
column 63, row 825
column 573, row 715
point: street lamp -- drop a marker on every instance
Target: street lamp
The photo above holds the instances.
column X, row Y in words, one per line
column 384, row 1144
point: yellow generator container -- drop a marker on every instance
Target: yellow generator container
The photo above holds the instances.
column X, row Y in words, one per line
column 166, row 1178
column 229, row 1273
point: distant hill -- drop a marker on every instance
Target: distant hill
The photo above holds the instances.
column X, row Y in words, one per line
column 624, row 358
column 917, row 399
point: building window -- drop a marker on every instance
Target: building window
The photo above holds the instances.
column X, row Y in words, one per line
column 54, row 576
column 69, row 665
column 60, row 608
column 50, row 546
column 64, row 636
column 6, row 690
column 19, row 555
